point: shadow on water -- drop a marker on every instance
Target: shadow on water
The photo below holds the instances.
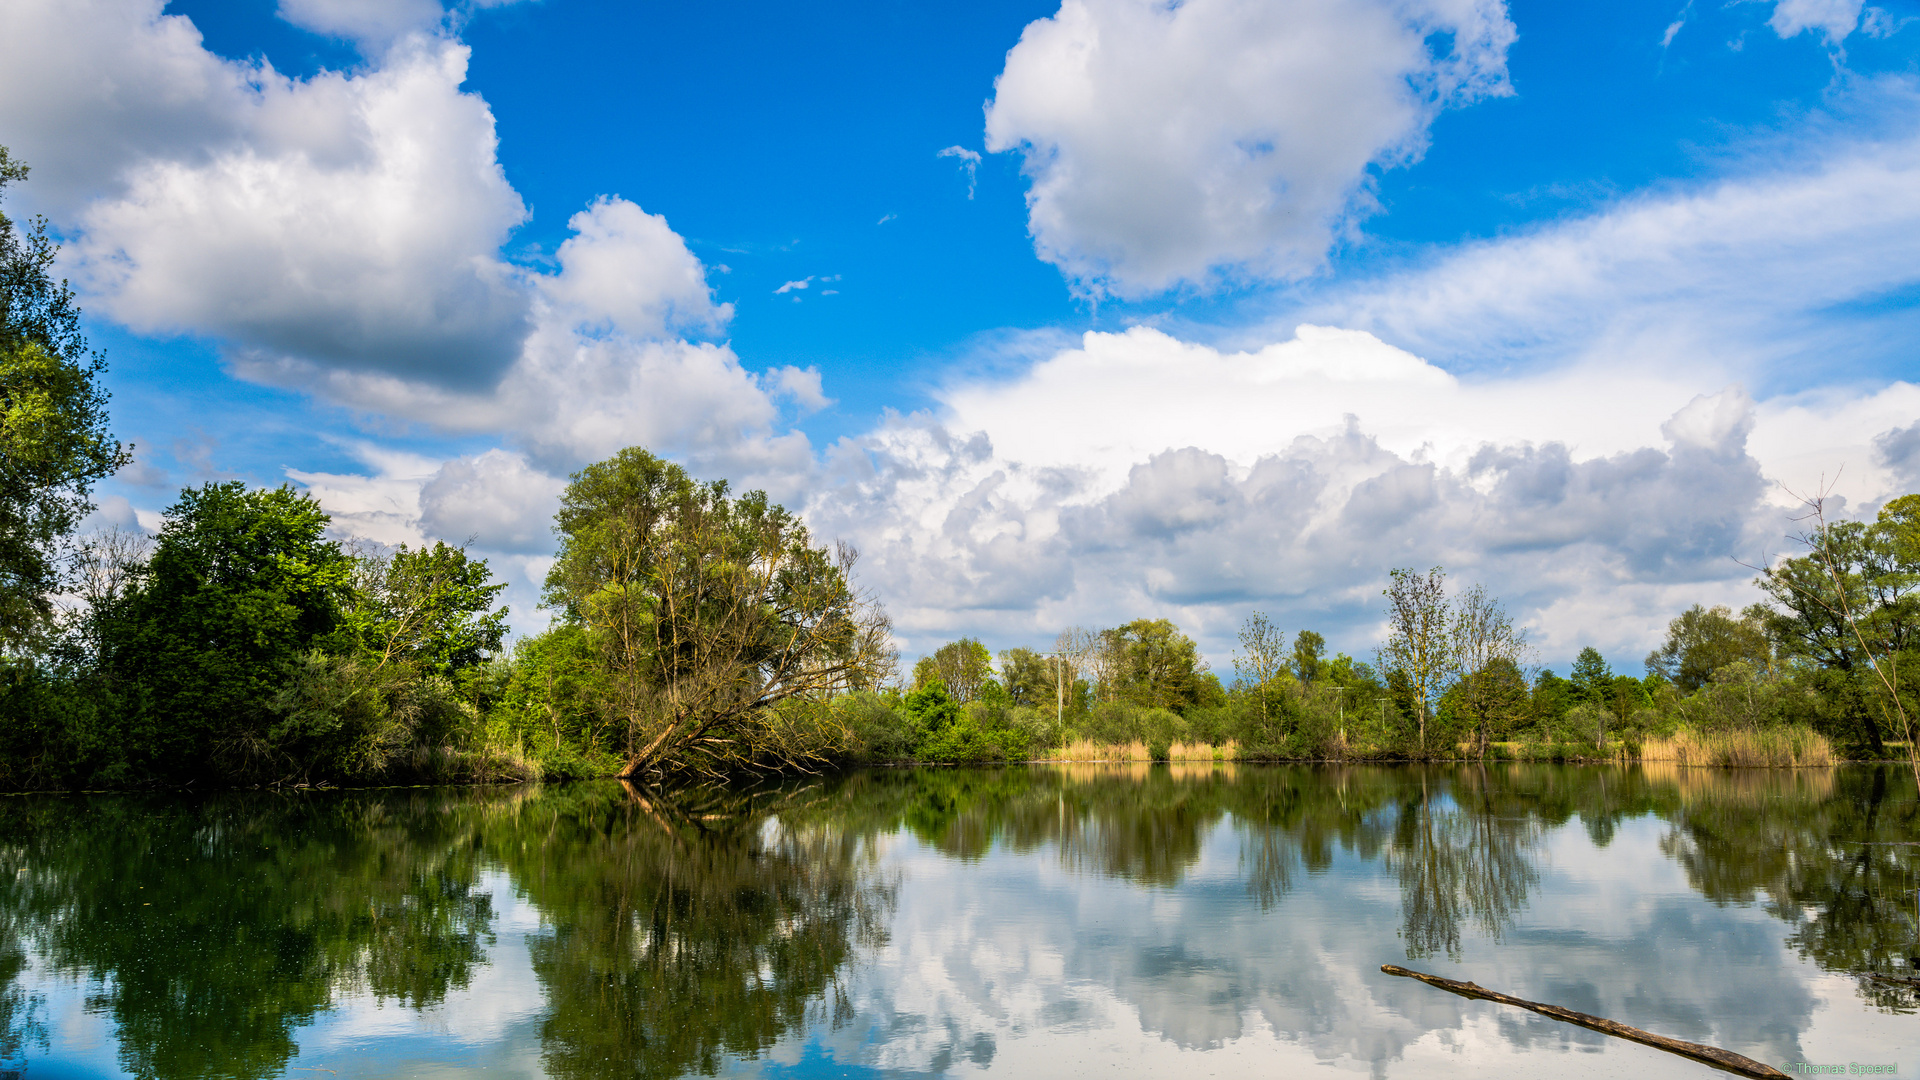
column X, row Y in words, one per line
column 680, row 929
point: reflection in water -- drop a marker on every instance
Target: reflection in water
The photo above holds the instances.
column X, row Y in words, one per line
column 689, row 928
column 679, row 933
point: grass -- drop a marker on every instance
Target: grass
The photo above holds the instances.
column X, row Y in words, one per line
column 1782, row 747
column 1088, row 750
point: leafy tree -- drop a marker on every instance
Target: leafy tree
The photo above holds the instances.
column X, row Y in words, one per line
column 1261, row 660
column 54, row 442
column 1591, row 676
column 1418, row 656
column 1028, row 677
column 241, row 585
column 1702, row 640
column 1162, row 665
column 1488, row 650
column 962, row 666
column 431, row 607
column 1308, row 648
column 708, row 611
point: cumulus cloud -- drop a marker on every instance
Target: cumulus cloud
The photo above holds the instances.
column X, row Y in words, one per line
column 624, row 269
column 1597, row 500
column 355, row 228
column 496, row 500
column 1180, row 143
column 89, row 86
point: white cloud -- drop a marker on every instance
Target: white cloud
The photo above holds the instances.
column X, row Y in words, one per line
column 1171, row 143
column 969, row 160
column 375, row 22
column 355, row 227
column 1139, row 474
column 90, row 86
column 1752, row 273
column 496, row 500
column 1835, row 19
column 625, row 269
column 794, row 286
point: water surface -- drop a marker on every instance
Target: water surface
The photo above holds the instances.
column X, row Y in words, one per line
column 1217, row 921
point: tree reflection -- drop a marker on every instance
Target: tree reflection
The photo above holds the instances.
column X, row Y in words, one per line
column 687, row 927
column 1838, row 864
column 210, row 931
column 1461, row 859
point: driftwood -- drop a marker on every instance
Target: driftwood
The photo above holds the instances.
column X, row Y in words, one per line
column 1709, row 1055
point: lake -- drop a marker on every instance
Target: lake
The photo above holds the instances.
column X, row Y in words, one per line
column 1026, row 921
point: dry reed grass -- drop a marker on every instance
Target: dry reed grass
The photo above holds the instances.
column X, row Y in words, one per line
column 1087, row 750
column 1781, row 747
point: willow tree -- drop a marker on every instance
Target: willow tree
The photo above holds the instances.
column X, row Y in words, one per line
column 709, row 612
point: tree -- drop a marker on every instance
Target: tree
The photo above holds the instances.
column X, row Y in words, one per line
column 1592, row 681
column 1488, row 651
column 1261, row 658
column 1418, row 653
column 1702, row 640
column 1028, row 676
column 242, row 584
column 431, row 607
column 1308, row 648
column 1852, row 602
column 708, row 612
column 962, row 666
column 54, row 442
column 1160, row 665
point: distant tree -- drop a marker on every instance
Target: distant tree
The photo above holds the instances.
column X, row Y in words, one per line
column 54, row 442
column 1552, row 697
column 961, row 666
column 1591, row 676
column 1308, row 648
column 1702, row 640
column 1162, row 665
column 1260, row 660
column 1418, row 653
column 1028, row 676
column 1488, row 651
column 1852, row 604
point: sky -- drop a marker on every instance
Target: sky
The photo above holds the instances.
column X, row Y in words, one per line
column 1063, row 313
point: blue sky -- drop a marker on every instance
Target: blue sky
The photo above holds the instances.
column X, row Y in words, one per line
column 1583, row 285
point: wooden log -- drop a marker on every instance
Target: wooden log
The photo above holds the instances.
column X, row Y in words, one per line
column 1709, row 1055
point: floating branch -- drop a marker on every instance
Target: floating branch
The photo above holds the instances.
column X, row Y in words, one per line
column 1710, row 1055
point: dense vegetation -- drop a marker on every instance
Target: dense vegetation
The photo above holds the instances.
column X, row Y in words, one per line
column 695, row 631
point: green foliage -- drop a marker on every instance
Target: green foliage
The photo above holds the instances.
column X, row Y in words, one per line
column 431, row 608
column 707, row 612
column 1308, row 648
column 961, row 667
column 54, row 440
column 241, row 586
column 1158, row 666
column 1702, row 640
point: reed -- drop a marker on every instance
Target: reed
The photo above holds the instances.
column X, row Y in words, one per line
column 1787, row 746
column 1088, row 750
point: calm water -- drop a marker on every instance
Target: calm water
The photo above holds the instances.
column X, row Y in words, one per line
column 1026, row 921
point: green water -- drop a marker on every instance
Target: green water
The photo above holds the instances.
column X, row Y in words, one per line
column 1023, row 922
